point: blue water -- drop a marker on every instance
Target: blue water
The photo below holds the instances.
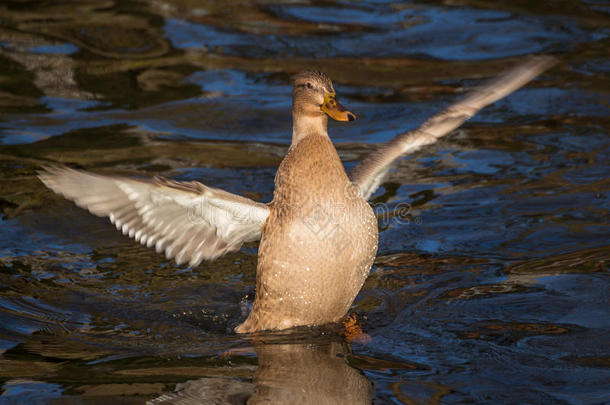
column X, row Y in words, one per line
column 491, row 282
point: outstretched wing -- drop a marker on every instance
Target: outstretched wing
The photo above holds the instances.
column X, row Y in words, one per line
column 370, row 173
column 188, row 221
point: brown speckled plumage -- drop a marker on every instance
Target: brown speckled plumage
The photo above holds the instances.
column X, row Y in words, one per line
column 318, row 243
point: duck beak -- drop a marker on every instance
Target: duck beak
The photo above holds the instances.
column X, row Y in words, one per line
column 335, row 110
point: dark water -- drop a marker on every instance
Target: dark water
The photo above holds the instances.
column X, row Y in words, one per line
column 494, row 288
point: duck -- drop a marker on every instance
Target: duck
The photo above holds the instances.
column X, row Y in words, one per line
column 318, row 236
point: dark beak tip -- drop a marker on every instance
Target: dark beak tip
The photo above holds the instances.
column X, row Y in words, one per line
column 351, row 117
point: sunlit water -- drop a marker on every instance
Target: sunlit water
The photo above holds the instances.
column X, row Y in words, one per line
column 492, row 287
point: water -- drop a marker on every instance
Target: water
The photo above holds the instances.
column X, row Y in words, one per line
column 492, row 288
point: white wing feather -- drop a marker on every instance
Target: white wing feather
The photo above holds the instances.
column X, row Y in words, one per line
column 370, row 173
column 188, row 221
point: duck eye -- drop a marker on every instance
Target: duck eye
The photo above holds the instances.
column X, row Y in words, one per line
column 309, row 85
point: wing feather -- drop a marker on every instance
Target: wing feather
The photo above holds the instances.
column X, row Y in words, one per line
column 370, row 173
column 187, row 221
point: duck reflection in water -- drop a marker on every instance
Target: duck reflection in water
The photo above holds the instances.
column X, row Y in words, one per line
column 287, row 373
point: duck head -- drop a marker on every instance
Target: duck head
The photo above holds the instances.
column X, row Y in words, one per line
column 314, row 94
column 313, row 99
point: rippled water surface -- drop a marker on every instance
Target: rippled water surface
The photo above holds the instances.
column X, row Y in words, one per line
column 494, row 288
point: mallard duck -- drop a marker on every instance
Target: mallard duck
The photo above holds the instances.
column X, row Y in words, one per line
column 318, row 236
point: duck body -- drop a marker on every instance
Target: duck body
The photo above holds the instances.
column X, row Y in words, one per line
column 318, row 243
column 318, row 236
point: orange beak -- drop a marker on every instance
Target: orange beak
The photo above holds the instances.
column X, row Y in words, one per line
column 335, row 110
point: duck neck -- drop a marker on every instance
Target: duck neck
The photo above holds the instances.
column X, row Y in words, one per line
column 304, row 125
